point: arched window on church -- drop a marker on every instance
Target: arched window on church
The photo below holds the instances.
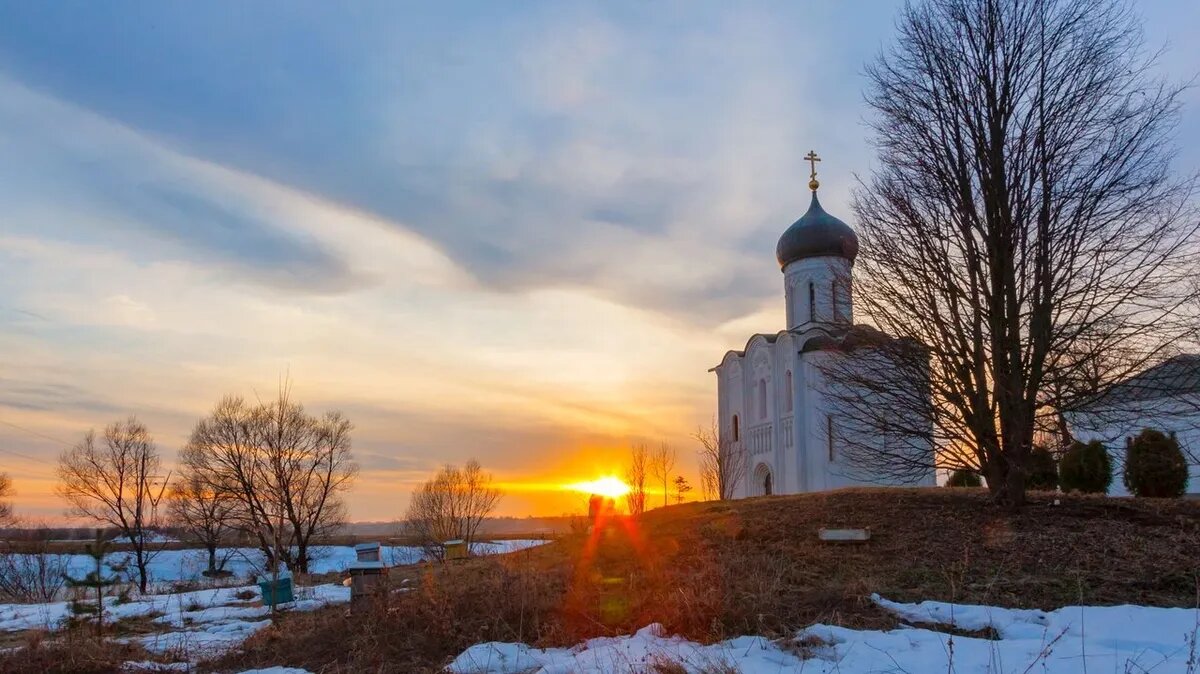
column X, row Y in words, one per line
column 787, row 382
column 762, row 398
column 812, row 302
column 833, row 295
column 736, row 430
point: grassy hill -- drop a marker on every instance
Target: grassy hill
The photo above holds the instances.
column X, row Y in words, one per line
column 718, row 569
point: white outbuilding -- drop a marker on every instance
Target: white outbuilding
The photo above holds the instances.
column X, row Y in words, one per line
column 1165, row 397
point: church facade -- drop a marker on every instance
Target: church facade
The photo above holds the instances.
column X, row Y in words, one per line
column 776, row 415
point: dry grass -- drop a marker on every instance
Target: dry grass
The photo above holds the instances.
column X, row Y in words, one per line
column 714, row 570
column 71, row 652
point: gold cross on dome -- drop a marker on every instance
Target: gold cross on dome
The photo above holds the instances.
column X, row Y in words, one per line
column 812, row 177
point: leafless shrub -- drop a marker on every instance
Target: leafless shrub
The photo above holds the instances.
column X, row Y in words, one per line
column 722, row 463
column 33, row 575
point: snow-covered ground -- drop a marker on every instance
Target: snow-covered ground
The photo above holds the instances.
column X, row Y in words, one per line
column 177, row 610
column 186, row 565
column 203, row 623
column 1070, row 640
column 195, row 625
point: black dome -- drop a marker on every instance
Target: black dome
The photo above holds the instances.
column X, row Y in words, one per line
column 816, row 234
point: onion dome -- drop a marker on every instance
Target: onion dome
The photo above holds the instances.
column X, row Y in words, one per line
column 816, row 233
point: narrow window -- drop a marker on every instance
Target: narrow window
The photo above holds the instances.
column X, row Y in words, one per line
column 812, row 302
column 736, row 430
column 762, row 398
column 829, row 432
column 833, row 294
column 787, row 381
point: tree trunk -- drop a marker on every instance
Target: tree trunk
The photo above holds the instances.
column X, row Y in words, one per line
column 301, row 560
column 143, row 574
column 1014, row 488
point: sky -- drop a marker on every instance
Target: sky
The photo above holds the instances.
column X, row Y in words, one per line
column 520, row 232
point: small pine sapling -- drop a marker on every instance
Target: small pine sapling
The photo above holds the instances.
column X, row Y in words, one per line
column 682, row 487
column 95, row 581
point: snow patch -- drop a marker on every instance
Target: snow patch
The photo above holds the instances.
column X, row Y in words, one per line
column 1070, row 640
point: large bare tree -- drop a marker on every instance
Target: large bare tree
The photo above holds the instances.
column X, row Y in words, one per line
column 451, row 506
column 1023, row 224
column 116, row 480
column 286, row 470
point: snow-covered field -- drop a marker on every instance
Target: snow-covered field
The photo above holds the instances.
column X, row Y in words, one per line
column 170, row 566
column 194, row 624
column 203, row 623
column 1072, row 640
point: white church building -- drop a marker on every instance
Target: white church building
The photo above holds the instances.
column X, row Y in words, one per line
column 774, row 410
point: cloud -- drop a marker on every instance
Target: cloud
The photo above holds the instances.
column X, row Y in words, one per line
column 69, row 174
column 535, row 151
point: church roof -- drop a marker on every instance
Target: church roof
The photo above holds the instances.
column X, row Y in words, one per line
column 816, row 234
column 770, row 338
column 864, row 337
column 828, row 338
column 1176, row 376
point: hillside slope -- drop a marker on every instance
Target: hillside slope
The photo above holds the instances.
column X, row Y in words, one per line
column 719, row 569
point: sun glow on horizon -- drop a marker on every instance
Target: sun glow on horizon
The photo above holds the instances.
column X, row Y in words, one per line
column 608, row 487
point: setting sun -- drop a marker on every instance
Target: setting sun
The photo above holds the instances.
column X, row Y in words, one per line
column 609, row 487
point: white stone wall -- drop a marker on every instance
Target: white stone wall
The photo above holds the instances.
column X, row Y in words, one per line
column 792, row 446
column 1181, row 417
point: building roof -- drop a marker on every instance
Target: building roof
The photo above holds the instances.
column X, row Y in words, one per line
column 857, row 337
column 827, row 338
column 1173, row 377
column 816, row 234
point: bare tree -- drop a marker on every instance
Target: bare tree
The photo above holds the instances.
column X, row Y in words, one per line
column 451, row 506
column 722, row 463
column 6, row 492
column 1023, row 224
column 635, row 477
column 662, row 464
column 286, row 470
column 206, row 514
column 116, row 480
